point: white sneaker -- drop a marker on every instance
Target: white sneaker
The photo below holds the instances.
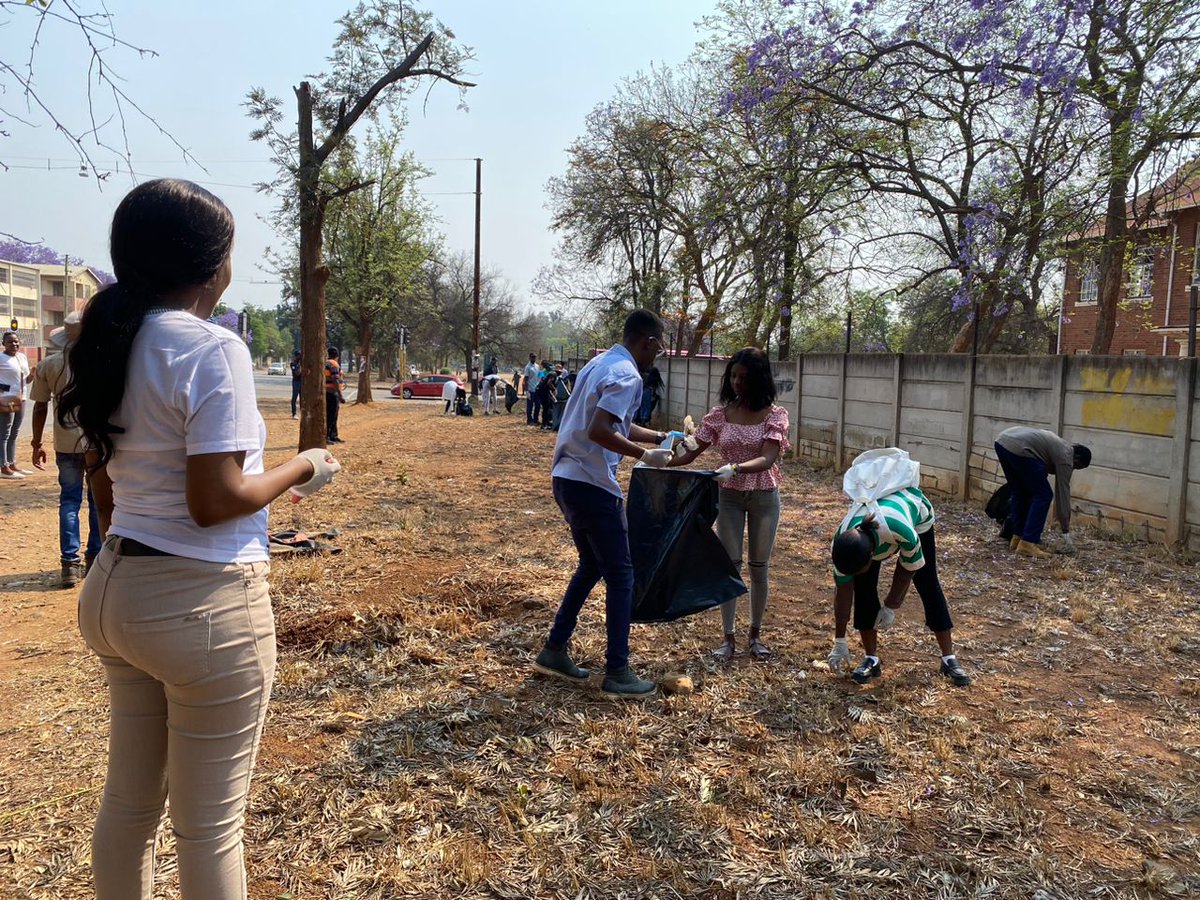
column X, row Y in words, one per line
column 12, row 475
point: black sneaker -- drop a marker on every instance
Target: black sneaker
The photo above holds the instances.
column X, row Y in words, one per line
column 867, row 671
column 558, row 664
column 625, row 684
column 956, row 673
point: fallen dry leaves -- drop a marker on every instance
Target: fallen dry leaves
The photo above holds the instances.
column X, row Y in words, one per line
column 411, row 752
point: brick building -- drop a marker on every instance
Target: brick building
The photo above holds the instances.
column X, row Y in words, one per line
column 1152, row 314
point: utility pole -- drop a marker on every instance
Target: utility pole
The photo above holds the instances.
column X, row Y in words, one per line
column 475, row 299
column 1193, row 292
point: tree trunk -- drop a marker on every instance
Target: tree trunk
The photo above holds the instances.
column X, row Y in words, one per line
column 312, row 281
column 364, row 375
column 1112, row 267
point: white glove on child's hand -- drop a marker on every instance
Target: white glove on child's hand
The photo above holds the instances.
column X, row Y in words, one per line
column 724, row 473
column 657, row 458
column 840, row 654
column 1068, row 543
column 884, row 620
column 324, row 468
column 688, row 445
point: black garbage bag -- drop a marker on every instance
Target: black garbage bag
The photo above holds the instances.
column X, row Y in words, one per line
column 998, row 504
column 679, row 565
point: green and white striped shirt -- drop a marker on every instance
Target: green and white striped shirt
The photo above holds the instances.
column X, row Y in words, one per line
column 908, row 514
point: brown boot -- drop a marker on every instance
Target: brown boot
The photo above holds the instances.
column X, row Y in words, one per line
column 1012, row 544
column 1024, row 548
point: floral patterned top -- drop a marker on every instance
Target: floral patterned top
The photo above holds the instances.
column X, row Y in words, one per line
column 741, row 443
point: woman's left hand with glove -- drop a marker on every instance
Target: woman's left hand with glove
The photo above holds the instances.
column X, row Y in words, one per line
column 324, row 468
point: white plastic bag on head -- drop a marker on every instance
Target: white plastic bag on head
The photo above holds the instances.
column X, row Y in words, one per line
column 871, row 477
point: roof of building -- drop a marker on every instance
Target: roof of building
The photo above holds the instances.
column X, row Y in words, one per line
column 1179, row 191
column 75, row 271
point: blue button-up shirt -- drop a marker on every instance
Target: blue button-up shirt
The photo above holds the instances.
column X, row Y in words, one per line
column 610, row 382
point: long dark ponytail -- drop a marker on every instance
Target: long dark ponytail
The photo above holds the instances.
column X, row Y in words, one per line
column 167, row 234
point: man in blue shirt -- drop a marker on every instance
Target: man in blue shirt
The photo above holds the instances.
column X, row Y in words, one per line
column 533, row 374
column 596, row 431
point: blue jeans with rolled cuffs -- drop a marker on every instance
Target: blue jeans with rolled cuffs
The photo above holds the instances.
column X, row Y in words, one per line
column 188, row 649
column 601, row 535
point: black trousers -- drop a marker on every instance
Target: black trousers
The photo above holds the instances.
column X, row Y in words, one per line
column 331, row 415
column 925, row 580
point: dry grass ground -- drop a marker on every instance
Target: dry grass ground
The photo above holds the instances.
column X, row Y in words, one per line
column 411, row 752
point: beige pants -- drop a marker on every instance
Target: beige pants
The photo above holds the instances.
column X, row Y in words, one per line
column 188, row 648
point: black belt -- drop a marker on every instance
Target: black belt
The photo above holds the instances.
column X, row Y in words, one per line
column 123, row 546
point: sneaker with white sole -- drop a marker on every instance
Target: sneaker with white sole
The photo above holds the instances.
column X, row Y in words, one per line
column 866, row 671
column 14, row 476
column 953, row 670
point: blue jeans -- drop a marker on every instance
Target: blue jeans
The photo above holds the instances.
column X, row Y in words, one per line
column 532, row 407
column 296, row 382
column 1031, row 494
column 10, row 427
column 601, row 535
column 70, row 495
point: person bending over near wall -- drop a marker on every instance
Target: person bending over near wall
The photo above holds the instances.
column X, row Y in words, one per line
column 859, row 548
column 176, row 606
column 750, row 432
column 596, row 432
column 1027, row 456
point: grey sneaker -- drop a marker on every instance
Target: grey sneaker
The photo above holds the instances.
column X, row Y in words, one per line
column 72, row 573
column 625, row 684
column 558, row 664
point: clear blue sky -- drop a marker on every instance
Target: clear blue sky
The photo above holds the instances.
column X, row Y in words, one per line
column 541, row 66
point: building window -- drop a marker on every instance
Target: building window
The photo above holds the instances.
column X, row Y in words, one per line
column 80, row 291
column 56, row 318
column 24, row 308
column 56, row 289
column 24, row 280
column 1132, row 352
column 1141, row 275
column 4, row 276
column 1089, row 284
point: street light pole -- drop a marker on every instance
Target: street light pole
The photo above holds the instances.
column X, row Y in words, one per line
column 475, row 298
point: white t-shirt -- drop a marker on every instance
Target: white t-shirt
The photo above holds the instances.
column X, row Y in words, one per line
column 449, row 391
column 189, row 390
column 14, row 370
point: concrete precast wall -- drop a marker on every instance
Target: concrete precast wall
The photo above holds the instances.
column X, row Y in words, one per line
column 1138, row 415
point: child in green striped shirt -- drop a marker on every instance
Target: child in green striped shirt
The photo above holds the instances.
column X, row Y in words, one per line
column 902, row 527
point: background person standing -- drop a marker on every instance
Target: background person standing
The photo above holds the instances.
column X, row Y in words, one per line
column 14, row 376
column 533, row 374
column 334, row 382
column 297, row 380
column 49, row 382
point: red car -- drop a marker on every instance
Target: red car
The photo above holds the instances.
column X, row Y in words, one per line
column 423, row 386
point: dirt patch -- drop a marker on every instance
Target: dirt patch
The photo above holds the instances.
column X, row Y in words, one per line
column 410, row 751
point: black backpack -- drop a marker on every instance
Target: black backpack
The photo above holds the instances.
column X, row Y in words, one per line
column 998, row 504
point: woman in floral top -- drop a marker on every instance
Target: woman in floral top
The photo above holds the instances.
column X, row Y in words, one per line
column 750, row 432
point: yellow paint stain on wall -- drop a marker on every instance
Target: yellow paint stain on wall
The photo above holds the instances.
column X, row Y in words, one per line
column 1126, row 380
column 1127, row 414
column 1120, row 401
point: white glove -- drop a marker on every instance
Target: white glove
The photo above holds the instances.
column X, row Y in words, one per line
column 689, row 444
column 724, row 473
column 884, row 620
column 840, row 654
column 657, row 458
column 324, row 468
column 1069, row 543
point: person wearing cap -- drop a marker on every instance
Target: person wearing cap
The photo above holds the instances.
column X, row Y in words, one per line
column 1028, row 456
column 50, row 379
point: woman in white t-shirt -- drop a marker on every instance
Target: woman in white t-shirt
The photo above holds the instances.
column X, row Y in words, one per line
column 14, row 376
column 176, row 605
